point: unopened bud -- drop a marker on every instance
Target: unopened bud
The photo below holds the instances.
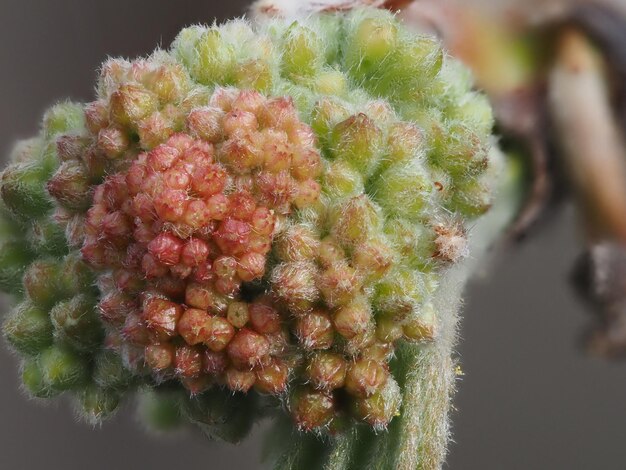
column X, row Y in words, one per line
column 76, row 322
column 248, row 349
column 302, row 52
column 422, row 325
column 33, row 380
column 70, row 186
column 97, row 404
column 41, row 283
column 311, row 409
column 359, row 141
column 130, row 104
column 28, row 329
column 109, row 371
column 404, row 190
column 62, row 118
column 338, row 284
column 272, row 378
column 379, row 409
column 354, row 318
column 62, row 368
column 326, row 370
column 23, row 190
column 315, row 330
column 365, row 377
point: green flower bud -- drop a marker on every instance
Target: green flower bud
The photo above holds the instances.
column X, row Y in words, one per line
column 15, row 257
column 414, row 241
column 302, row 53
column 11, row 228
column 355, row 220
column 28, row 329
column 330, row 82
column 326, row 370
column 63, row 369
column 339, row 284
column 170, row 83
column 388, row 330
column 326, row 114
column 404, row 143
column 27, row 150
column 96, row 404
column 458, row 150
column 220, row 415
column 412, row 69
column 311, row 409
column 47, row 238
column 423, row 56
column 255, row 75
column 62, row 118
column 475, row 111
column 41, row 283
column 184, row 46
column 75, row 277
column 22, row 186
column 371, row 40
column 33, row 380
column 113, row 142
column 422, row 324
column 76, row 322
column 471, row 198
column 109, row 371
column 373, row 258
column 130, row 104
column 213, row 60
column 354, row 318
column 359, row 141
column 379, row 409
column 341, row 180
column 399, row 294
column 404, row 190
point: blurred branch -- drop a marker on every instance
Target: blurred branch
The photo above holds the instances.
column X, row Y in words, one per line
column 592, row 146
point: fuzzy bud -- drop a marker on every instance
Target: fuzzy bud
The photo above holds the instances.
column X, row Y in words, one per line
column 130, row 104
column 379, row 409
column 359, row 141
column 62, row 368
column 315, row 330
column 97, row 404
column 326, row 370
column 76, row 322
column 311, row 409
column 28, row 329
column 365, row 377
column 70, row 186
column 23, row 192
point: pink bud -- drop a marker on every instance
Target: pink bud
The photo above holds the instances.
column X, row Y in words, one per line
column 166, row 248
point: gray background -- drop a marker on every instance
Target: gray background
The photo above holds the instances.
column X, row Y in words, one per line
column 529, row 400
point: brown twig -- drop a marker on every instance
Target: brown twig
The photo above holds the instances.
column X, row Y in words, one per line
column 592, row 146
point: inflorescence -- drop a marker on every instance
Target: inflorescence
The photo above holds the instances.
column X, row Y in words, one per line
column 261, row 209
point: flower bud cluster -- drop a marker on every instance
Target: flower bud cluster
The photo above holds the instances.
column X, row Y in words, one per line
column 263, row 208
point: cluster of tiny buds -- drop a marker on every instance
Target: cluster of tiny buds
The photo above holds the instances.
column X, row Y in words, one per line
column 190, row 221
column 186, row 227
column 178, row 229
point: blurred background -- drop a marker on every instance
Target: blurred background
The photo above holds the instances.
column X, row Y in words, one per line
column 530, row 398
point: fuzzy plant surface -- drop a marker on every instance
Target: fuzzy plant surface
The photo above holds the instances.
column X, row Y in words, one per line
column 268, row 219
